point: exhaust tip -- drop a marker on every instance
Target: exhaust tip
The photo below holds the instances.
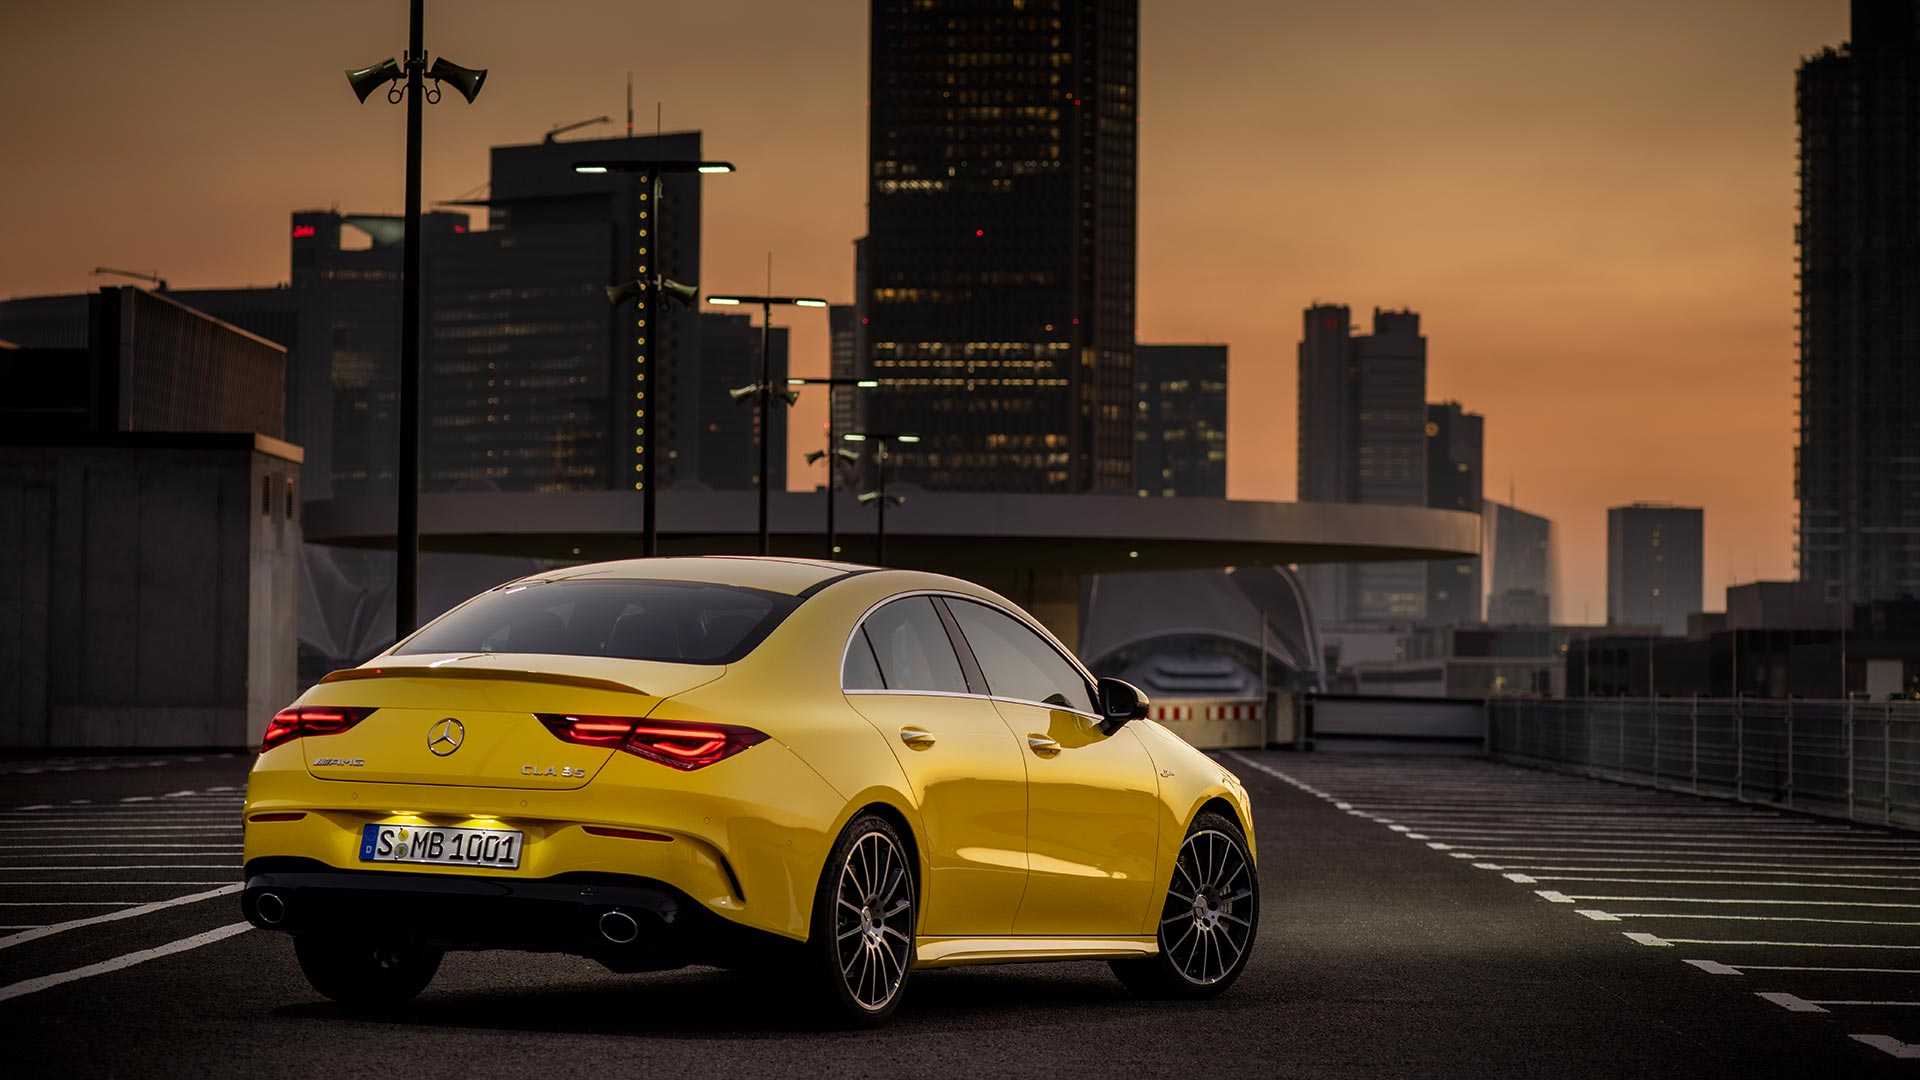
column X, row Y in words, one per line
column 271, row 909
column 619, row 928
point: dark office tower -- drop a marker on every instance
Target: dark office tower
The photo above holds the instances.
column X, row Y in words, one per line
column 1857, row 473
column 843, row 324
column 1518, row 549
column 1180, row 420
column 640, row 376
column 1655, row 556
column 1000, row 239
column 730, row 357
column 1363, row 414
column 345, row 367
column 1456, row 448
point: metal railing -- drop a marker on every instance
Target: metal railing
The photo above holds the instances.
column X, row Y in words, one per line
column 1850, row 759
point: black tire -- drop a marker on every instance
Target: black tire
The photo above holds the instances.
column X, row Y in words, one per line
column 363, row 977
column 865, row 921
column 1209, row 920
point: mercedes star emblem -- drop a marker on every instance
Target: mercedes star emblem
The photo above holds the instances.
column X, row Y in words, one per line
column 446, row 736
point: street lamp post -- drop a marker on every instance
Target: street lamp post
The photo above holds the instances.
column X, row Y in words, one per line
column 764, row 388
column 646, row 288
column 879, row 497
column 833, row 383
column 364, row 81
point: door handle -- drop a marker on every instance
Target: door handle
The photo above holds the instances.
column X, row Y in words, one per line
column 1043, row 746
column 916, row 738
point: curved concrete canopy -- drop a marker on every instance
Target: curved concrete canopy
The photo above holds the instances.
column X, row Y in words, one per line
column 954, row 533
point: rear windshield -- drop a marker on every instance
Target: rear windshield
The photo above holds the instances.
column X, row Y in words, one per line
column 683, row 622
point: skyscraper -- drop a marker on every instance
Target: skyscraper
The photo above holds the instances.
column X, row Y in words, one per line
column 999, row 258
column 1518, row 549
column 1456, row 450
column 1362, row 431
column 729, row 429
column 1180, row 420
column 1655, row 562
column 1857, row 472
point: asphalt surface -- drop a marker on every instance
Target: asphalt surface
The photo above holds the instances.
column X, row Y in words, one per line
column 1420, row 917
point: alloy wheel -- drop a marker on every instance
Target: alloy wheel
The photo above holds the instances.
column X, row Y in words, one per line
column 873, row 920
column 1207, row 922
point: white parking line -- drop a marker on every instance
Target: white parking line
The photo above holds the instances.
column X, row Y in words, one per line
column 22, row 832
column 1571, row 897
column 1790, row 1003
column 68, row 903
column 1610, row 916
column 1659, row 940
column 123, row 867
column 1889, row 1045
column 1675, row 839
column 1715, row 967
column 1750, row 868
column 120, row 850
column 1722, row 884
column 113, row 916
column 1671, row 849
column 118, row 963
column 29, row 884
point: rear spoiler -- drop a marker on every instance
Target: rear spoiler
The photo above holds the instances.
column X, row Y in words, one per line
column 420, row 672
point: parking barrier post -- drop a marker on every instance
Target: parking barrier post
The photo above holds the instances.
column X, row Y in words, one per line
column 1739, row 753
column 1789, row 752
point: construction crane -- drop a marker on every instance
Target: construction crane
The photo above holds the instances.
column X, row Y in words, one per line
column 553, row 135
column 159, row 283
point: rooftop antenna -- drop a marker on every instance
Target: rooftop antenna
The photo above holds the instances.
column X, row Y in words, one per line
column 159, row 283
column 629, row 103
column 554, row 133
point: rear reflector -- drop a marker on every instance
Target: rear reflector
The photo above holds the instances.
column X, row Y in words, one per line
column 292, row 816
column 628, row 834
column 683, row 746
column 292, row 723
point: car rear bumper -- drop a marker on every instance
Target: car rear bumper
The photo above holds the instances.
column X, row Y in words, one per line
column 628, row 923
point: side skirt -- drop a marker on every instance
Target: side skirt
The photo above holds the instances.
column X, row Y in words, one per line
column 937, row 952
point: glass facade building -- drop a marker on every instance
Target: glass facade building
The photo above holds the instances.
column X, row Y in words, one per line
column 1456, row 459
column 1180, row 420
column 1362, row 431
column 998, row 267
column 1857, row 468
column 1655, row 565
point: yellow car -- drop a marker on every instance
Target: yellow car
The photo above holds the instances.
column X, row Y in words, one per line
column 735, row 761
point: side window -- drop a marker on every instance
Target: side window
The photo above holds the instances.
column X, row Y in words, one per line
column 912, row 648
column 861, row 671
column 1017, row 662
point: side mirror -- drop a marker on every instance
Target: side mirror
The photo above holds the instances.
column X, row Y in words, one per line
column 1121, row 701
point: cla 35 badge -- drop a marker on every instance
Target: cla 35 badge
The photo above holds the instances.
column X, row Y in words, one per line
column 567, row 771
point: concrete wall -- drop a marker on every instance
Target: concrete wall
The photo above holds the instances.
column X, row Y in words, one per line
column 148, row 599
column 1383, row 724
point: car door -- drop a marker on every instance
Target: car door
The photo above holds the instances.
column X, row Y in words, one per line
column 1092, row 796
column 965, row 767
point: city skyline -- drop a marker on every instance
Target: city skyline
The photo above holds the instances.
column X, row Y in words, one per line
column 1428, row 190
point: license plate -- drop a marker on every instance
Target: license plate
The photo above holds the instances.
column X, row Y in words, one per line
column 441, row 846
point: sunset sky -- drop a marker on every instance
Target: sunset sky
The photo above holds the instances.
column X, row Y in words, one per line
column 1591, row 205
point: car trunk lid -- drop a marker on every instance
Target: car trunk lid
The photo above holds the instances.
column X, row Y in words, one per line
column 473, row 720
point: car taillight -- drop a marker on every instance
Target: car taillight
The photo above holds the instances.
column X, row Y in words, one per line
column 683, row 746
column 292, row 723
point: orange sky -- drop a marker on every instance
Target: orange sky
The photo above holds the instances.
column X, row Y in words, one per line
column 1591, row 205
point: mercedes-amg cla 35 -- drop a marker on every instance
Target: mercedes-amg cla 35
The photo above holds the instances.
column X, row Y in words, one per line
column 838, row 771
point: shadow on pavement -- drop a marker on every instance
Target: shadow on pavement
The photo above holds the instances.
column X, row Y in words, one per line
column 706, row 1003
